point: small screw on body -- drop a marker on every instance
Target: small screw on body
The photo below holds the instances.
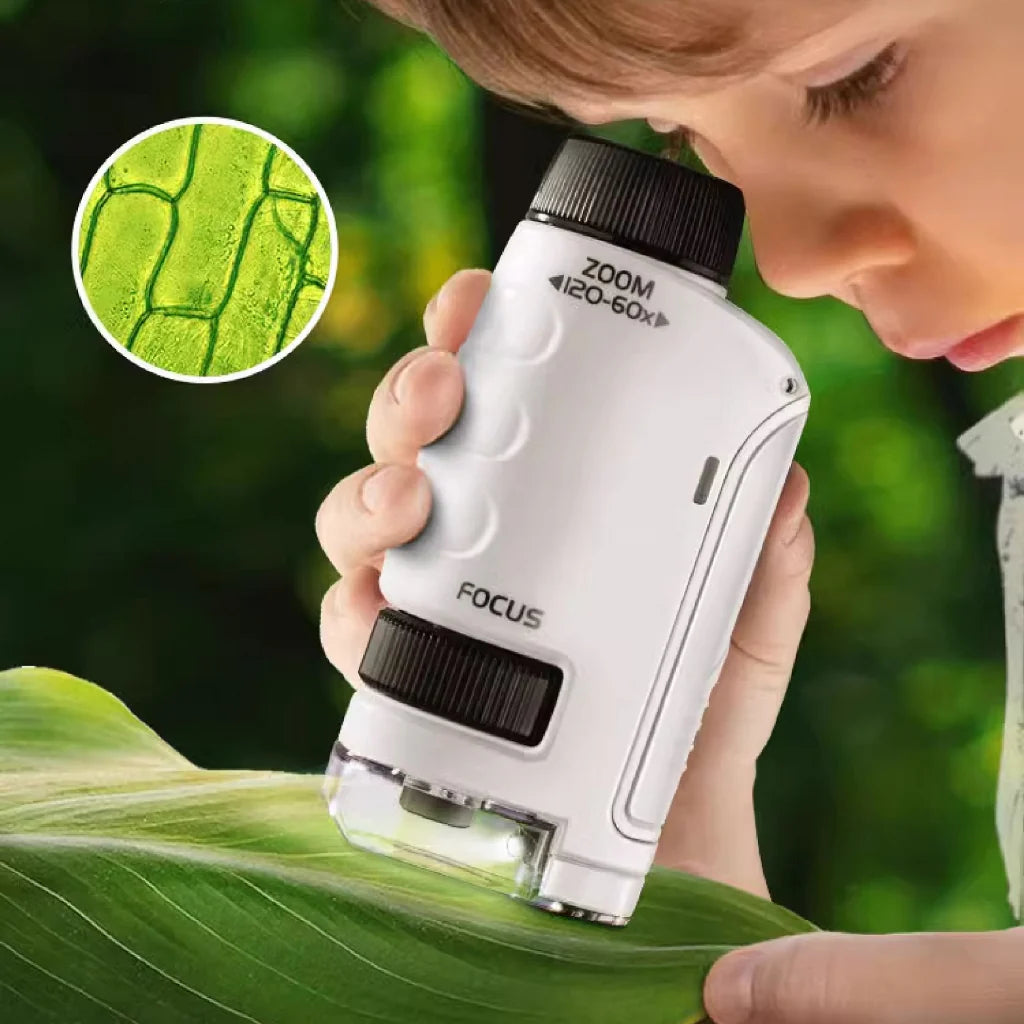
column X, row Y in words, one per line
column 790, row 385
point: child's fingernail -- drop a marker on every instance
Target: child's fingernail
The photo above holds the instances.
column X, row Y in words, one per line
column 379, row 485
column 400, row 384
column 806, row 489
column 729, row 990
column 438, row 299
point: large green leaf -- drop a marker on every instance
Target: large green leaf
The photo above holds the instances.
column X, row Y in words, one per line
column 134, row 886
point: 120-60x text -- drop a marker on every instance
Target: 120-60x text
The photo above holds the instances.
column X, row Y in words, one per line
column 622, row 305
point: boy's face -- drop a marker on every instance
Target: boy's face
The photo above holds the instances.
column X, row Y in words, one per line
column 904, row 196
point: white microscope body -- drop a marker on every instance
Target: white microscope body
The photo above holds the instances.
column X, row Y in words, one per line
column 598, row 510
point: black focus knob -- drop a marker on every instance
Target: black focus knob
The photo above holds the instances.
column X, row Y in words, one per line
column 460, row 678
column 643, row 202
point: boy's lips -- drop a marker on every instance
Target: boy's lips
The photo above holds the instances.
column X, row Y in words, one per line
column 978, row 351
column 990, row 346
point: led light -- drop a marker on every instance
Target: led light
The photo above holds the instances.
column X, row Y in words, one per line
column 379, row 809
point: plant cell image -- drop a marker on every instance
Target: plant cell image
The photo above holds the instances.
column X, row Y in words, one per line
column 204, row 250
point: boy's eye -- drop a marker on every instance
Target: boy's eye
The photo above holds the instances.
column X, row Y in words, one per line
column 865, row 86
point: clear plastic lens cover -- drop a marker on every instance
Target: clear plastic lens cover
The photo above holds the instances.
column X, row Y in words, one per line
column 379, row 809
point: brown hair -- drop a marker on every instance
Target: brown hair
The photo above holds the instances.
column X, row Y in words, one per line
column 536, row 52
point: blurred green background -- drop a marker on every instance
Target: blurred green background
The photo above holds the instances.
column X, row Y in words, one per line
column 158, row 537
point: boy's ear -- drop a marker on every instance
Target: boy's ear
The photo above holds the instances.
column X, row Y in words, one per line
column 995, row 444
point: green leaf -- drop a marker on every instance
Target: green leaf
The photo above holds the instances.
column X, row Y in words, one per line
column 135, row 886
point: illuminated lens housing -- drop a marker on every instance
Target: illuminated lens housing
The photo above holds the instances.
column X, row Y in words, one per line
column 380, row 809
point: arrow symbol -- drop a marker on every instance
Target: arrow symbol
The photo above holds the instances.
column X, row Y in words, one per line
column 661, row 321
column 557, row 281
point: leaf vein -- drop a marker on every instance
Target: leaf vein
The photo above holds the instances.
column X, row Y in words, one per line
column 220, row 938
column 25, row 999
column 65, row 982
column 127, row 949
column 369, row 962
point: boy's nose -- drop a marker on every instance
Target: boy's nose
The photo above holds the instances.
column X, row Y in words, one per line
column 806, row 250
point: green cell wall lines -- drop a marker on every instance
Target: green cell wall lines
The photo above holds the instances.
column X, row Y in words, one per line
column 204, row 250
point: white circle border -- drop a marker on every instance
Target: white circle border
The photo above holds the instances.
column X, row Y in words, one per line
column 267, row 137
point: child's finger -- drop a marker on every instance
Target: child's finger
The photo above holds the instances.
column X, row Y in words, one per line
column 748, row 695
column 371, row 510
column 774, row 612
column 421, row 395
column 347, row 614
column 451, row 312
column 415, row 403
column 711, row 829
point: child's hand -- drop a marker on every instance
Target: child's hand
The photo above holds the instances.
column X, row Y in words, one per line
column 830, row 978
column 386, row 504
column 710, row 829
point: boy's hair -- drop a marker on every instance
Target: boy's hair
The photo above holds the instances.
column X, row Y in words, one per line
column 537, row 52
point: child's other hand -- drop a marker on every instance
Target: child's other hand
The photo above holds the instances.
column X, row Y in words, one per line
column 830, row 978
column 710, row 829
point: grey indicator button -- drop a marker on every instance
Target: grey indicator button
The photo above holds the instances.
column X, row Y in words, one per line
column 707, row 479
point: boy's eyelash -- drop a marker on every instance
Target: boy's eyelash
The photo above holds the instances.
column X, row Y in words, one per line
column 865, row 86
column 822, row 103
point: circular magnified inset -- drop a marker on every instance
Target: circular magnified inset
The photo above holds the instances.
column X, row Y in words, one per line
column 204, row 250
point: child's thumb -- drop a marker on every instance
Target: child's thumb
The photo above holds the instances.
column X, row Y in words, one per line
column 872, row 979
